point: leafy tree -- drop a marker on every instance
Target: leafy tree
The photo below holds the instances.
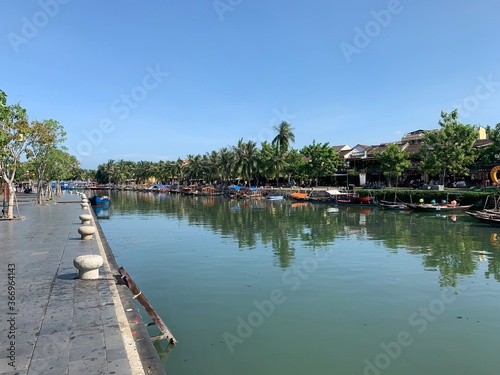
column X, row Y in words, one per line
column 491, row 154
column 272, row 161
column 45, row 137
column 449, row 149
column 295, row 164
column 61, row 166
column 323, row 160
column 14, row 132
column 393, row 161
column 124, row 170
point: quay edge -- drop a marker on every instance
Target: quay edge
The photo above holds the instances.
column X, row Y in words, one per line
column 148, row 356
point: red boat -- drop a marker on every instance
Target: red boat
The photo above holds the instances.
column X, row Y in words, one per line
column 355, row 199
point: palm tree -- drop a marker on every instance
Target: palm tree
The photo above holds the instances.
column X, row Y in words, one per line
column 178, row 170
column 272, row 161
column 226, row 162
column 110, row 168
column 195, row 167
column 282, row 141
column 247, row 158
column 284, row 137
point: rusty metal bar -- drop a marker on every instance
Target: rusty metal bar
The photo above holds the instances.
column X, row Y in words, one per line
column 166, row 334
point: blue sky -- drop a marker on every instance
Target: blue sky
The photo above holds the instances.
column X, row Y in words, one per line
column 163, row 79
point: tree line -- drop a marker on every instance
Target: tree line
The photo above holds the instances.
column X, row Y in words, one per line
column 34, row 150
column 31, row 149
column 444, row 152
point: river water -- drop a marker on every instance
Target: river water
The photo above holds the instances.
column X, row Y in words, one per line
column 257, row 287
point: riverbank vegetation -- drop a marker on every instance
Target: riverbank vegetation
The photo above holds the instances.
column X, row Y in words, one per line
column 34, row 151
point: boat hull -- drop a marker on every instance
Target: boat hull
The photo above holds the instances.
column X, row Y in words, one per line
column 99, row 201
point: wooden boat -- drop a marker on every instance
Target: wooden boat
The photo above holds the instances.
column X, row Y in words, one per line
column 299, row 196
column 209, row 191
column 396, row 204
column 429, row 207
column 388, row 205
column 314, row 196
column 485, row 217
column 97, row 200
column 354, row 199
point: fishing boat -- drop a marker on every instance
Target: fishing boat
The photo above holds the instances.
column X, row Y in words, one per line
column 396, row 204
column 97, row 200
column 354, row 199
column 315, row 196
column 485, row 217
column 299, row 196
column 429, row 207
column 388, row 205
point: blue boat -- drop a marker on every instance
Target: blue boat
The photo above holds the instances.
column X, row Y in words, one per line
column 100, row 200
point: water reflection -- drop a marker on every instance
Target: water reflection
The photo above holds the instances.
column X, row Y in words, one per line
column 452, row 244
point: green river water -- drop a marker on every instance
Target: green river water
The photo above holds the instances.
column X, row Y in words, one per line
column 257, row 287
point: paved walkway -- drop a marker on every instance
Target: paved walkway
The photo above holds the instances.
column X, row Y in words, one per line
column 51, row 322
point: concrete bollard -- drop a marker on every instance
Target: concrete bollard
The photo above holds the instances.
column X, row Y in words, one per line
column 88, row 266
column 85, row 218
column 84, row 205
column 86, row 231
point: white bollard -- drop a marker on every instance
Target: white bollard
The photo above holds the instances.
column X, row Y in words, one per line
column 86, row 231
column 88, row 266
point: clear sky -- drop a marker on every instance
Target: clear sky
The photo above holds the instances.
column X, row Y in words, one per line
column 158, row 80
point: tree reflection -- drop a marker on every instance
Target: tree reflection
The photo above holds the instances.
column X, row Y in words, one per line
column 453, row 245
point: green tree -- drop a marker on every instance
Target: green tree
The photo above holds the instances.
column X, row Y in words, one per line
column 227, row 162
column 61, row 166
column 322, row 160
column 124, row 170
column 14, row 132
column 247, row 159
column 295, row 164
column 45, row 137
column 195, row 167
column 272, row 161
column 491, row 154
column 282, row 142
column 449, row 149
column 393, row 161
column 284, row 137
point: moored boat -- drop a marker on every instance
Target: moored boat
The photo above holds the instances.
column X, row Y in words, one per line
column 429, row 207
column 354, row 199
column 486, row 217
column 97, row 200
column 393, row 205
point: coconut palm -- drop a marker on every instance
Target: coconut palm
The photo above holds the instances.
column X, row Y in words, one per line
column 247, row 158
column 282, row 142
column 284, row 137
